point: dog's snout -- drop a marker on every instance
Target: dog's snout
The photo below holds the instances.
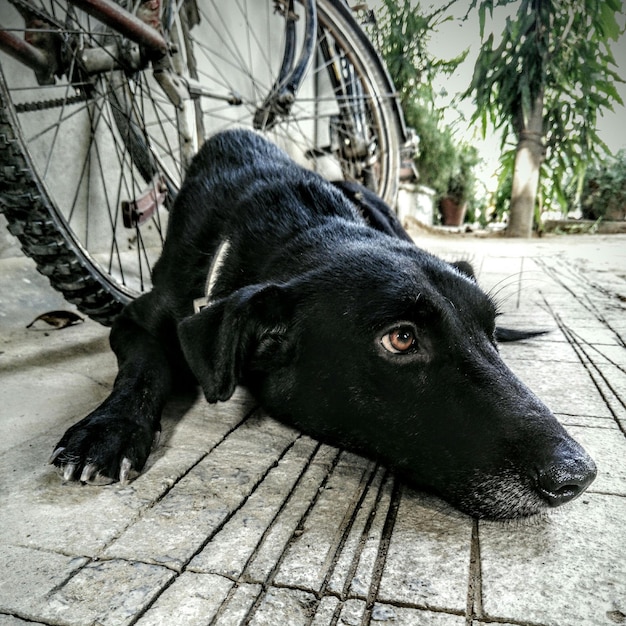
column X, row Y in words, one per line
column 567, row 478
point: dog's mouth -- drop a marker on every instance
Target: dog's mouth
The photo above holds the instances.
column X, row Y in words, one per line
column 505, row 496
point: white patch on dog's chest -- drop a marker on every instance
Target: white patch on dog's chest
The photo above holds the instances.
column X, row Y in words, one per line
column 212, row 276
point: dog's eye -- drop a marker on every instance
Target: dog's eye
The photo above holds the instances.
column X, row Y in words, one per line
column 399, row 340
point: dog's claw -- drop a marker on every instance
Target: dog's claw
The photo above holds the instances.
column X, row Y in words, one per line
column 87, row 474
column 55, row 454
column 156, row 439
column 68, row 471
column 125, row 468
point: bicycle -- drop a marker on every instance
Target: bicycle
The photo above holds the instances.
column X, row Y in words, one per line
column 102, row 107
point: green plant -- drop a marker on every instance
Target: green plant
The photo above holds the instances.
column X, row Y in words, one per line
column 401, row 31
column 462, row 181
column 478, row 206
column 543, row 83
column 437, row 157
column 604, row 190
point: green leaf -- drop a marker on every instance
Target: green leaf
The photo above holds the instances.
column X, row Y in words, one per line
column 606, row 21
column 481, row 18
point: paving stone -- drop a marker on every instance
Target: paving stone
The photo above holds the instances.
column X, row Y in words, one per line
column 309, row 557
column 569, row 568
column 564, row 387
column 238, row 604
column 352, row 613
column 284, row 606
column 106, row 593
column 194, row 600
column 181, row 522
column 523, row 302
column 363, row 576
column 40, row 510
column 85, row 344
column 233, row 546
column 606, row 355
column 402, row 616
column 616, row 320
column 482, row 623
column 22, row 288
column 276, row 540
column 592, row 332
column 563, row 301
column 10, row 620
column 191, row 422
column 429, row 553
column 34, row 397
column 325, row 611
column 29, row 576
column 346, row 570
column 533, row 318
column 609, row 377
column 540, row 349
column 590, row 316
column 612, row 382
column 584, row 421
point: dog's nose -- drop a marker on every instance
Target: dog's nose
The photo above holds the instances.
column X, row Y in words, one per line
column 567, row 478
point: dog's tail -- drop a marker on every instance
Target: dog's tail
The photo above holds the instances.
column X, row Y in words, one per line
column 510, row 334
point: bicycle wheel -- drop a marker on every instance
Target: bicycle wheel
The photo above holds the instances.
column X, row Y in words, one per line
column 90, row 162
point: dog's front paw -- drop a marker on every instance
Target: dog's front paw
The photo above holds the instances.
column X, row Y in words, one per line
column 101, row 449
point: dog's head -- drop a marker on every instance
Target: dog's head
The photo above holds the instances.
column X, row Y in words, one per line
column 392, row 352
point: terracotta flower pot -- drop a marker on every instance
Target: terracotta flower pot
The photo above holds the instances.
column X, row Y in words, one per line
column 452, row 212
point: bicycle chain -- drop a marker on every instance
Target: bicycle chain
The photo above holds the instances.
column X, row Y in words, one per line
column 25, row 107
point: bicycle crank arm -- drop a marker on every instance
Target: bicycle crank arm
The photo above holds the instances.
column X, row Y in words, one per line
column 139, row 210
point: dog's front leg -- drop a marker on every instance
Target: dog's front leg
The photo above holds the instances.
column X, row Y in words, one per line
column 114, row 441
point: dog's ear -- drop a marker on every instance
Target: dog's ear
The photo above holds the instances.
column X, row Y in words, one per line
column 373, row 209
column 465, row 267
column 248, row 328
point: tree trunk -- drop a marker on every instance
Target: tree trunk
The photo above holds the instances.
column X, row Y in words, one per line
column 528, row 158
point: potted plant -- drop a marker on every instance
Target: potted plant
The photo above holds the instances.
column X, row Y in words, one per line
column 604, row 190
column 460, row 187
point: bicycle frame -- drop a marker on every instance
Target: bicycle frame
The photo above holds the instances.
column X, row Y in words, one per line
column 99, row 150
column 143, row 45
column 141, row 28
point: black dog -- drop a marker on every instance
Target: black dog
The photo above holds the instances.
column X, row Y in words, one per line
column 323, row 307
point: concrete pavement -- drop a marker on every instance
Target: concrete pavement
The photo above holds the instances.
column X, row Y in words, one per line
column 239, row 519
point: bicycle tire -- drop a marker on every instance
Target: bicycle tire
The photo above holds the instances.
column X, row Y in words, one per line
column 37, row 212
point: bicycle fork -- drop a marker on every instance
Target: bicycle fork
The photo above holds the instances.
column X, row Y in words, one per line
column 283, row 94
